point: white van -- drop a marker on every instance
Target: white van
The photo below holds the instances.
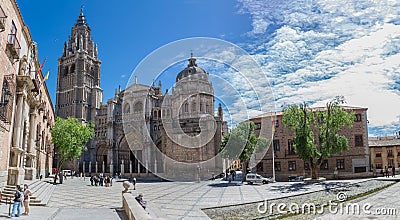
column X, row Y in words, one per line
column 67, row 172
column 256, row 178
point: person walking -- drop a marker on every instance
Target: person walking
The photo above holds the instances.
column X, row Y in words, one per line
column 27, row 198
column 393, row 172
column 18, row 198
column 134, row 183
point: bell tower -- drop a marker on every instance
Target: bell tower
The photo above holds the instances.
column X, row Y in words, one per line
column 78, row 82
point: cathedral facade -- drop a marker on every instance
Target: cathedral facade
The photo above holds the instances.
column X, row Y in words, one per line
column 78, row 82
column 143, row 131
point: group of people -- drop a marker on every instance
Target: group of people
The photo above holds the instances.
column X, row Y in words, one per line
column 21, row 198
column 100, row 180
column 388, row 170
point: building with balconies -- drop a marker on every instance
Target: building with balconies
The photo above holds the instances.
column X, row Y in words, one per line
column 26, row 111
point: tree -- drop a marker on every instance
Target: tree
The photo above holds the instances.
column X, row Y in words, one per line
column 317, row 133
column 70, row 137
column 241, row 143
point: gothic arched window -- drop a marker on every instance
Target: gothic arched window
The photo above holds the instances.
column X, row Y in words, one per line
column 66, row 70
column 138, row 107
column 127, row 109
column 72, row 68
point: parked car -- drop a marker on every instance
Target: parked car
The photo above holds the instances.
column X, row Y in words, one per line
column 295, row 178
column 257, row 178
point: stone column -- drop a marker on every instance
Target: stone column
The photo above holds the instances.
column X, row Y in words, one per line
column 147, row 165
column 155, row 166
column 83, row 168
column 18, row 120
column 30, row 172
column 32, row 131
column 111, row 169
column 103, row 167
column 138, row 169
column 122, row 167
column 130, row 167
column 96, row 168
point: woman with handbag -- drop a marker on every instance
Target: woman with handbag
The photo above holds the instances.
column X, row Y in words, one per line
column 27, row 197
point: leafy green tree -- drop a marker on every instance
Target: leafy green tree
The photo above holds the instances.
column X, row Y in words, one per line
column 317, row 133
column 70, row 137
column 241, row 143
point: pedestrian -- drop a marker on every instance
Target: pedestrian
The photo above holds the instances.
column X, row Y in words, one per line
column 140, row 200
column 18, row 198
column 134, row 183
column 27, row 198
column 393, row 172
column 386, row 172
column 96, row 180
column 107, row 181
column 91, row 180
column 101, row 180
column 111, row 179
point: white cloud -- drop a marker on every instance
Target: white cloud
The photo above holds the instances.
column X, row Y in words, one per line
column 314, row 50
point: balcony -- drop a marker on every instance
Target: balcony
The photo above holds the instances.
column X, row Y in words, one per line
column 13, row 46
column 2, row 20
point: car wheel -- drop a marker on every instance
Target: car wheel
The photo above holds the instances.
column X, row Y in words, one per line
column 264, row 182
column 250, row 183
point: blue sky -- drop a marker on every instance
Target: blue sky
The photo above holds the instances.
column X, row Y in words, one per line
column 309, row 50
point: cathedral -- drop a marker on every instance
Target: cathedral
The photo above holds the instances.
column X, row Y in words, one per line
column 145, row 132
column 78, row 82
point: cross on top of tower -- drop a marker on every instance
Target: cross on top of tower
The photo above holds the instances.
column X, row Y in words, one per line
column 192, row 60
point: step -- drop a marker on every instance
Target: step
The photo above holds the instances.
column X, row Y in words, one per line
column 39, row 189
column 43, row 187
column 44, row 198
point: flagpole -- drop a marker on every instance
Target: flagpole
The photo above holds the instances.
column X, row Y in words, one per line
column 273, row 149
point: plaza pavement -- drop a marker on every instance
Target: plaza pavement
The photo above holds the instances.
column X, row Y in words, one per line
column 76, row 199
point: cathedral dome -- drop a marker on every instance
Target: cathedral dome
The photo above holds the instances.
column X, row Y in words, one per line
column 192, row 71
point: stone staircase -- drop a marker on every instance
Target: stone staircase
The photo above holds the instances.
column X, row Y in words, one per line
column 41, row 192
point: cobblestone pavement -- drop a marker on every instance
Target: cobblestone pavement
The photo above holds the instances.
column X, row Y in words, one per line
column 76, row 199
